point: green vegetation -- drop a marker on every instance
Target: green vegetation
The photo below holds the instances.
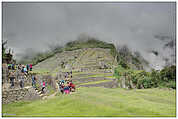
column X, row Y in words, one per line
column 142, row 79
column 4, row 48
column 127, row 59
column 100, row 102
column 90, row 43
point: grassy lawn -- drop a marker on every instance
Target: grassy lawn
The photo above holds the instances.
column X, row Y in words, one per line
column 100, row 102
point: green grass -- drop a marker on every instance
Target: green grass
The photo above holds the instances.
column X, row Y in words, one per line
column 96, row 82
column 100, row 102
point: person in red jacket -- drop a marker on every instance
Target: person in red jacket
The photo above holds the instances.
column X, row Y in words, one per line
column 72, row 86
column 30, row 67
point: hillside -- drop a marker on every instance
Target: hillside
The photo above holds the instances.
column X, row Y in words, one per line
column 91, row 61
column 77, row 60
column 88, row 65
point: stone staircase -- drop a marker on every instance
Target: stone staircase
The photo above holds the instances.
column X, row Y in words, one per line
column 42, row 95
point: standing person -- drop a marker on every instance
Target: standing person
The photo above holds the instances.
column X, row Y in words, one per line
column 22, row 69
column 61, row 87
column 33, row 81
column 18, row 74
column 21, row 79
column 13, row 66
column 66, row 89
column 63, row 81
column 27, row 66
column 43, row 86
column 18, row 67
column 12, row 77
column 9, row 66
column 25, row 70
column 66, row 74
column 30, row 67
column 72, row 86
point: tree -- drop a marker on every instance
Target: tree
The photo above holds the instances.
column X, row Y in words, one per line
column 4, row 48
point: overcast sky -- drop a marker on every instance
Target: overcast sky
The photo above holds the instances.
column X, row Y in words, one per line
column 33, row 26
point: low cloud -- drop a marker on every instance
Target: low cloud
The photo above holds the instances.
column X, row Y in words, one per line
column 138, row 25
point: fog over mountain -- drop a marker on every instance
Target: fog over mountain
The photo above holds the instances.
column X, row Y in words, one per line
column 145, row 27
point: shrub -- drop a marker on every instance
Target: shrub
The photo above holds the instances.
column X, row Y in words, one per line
column 168, row 73
column 147, row 83
column 171, row 84
column 143, row 79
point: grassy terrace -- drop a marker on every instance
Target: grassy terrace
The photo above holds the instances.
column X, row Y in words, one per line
column 96, row 82
column 100, row 102
column 41, row 71
column 94, row 73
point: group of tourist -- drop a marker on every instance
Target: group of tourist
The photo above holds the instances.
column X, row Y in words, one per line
column 21, row 77
column 66, row 86
column 13, row 66
column 25, row 68
column 18, row 72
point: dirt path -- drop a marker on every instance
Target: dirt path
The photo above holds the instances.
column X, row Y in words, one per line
column 51, row 96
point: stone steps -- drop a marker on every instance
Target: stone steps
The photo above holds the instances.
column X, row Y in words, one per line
column 40, row 93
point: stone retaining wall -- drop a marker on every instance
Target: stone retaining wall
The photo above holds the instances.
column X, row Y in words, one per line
column 13, row 95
